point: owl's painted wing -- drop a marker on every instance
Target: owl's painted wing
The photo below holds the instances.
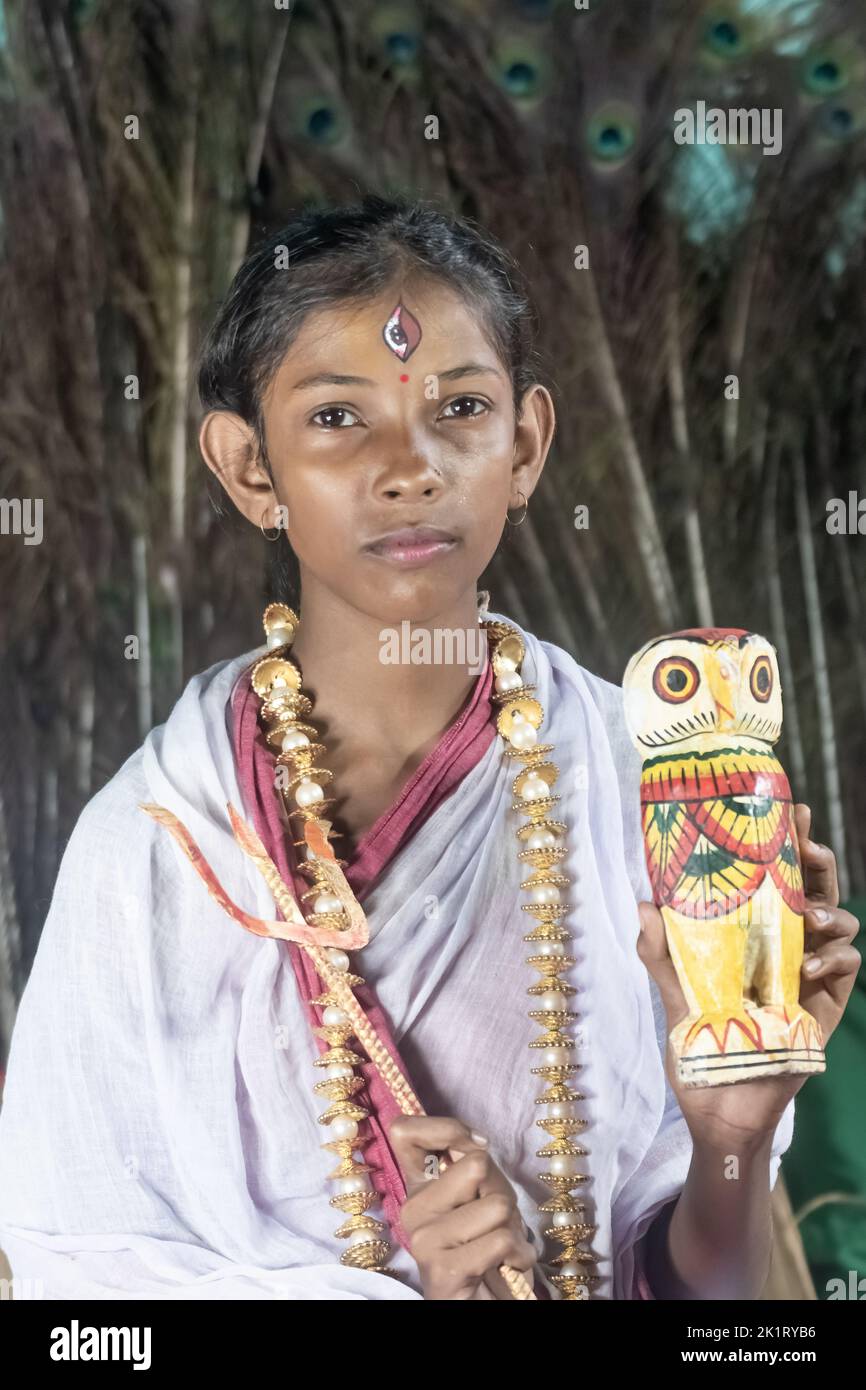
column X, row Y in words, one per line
column 689, row 873
column 786, row 870
column 714, row 823
column 670, row 836
column 750, row 827
column 753, row 819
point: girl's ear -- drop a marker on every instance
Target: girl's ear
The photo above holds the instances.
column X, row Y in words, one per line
column 230, row 450
column 533, row 435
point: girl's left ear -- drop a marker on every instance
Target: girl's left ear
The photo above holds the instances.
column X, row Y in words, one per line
column 533, row 435
column 230, row 450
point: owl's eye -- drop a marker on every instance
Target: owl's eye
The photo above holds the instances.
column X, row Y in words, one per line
column 761, row 679
column 675, row 679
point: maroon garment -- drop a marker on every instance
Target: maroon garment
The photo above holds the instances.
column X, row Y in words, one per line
column 462, row 745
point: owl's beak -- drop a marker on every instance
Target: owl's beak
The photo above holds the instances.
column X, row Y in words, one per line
column 721, row 687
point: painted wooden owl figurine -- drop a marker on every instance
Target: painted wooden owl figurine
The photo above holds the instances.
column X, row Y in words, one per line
column 704, row 708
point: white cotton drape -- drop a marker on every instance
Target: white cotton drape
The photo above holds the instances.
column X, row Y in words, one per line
column 159, row 1135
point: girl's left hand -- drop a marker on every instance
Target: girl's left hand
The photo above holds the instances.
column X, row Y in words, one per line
column 749, row 1111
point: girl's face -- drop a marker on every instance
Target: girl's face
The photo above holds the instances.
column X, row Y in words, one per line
column 371, row 430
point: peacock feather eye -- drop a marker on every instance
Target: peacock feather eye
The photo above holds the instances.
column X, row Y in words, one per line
column 536, row 9
column 321, row 123
column 401, row 48
column 81, row 12
column 522, row 69
column 727, row 34
column 840, row 120
column 398, row 33
column 823, row 76
column 829, row 68
column 675, row 679
column 520, row 77
column 723, row 37
column 321, row 119
column 612, row 132
column 761, row 679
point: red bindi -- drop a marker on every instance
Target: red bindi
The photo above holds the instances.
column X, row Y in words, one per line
column 403, row 376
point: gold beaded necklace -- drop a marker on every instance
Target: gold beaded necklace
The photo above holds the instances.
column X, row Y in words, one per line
column 300, row 781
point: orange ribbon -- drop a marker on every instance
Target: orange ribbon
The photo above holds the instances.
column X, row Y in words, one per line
column 296, row 927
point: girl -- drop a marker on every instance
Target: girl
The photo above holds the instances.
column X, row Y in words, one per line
column 370, row 390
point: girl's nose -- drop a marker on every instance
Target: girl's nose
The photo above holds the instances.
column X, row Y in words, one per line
column 411, row 477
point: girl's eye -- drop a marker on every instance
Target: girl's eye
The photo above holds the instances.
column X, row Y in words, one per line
column 462, row 413
column 335, row 417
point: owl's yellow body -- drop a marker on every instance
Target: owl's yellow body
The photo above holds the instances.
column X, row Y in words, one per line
column 704, row 708
column 722, row 853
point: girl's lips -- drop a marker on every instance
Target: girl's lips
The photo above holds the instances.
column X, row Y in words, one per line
column 409, row 555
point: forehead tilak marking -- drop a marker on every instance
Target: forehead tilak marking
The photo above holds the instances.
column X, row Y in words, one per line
column 402, row 332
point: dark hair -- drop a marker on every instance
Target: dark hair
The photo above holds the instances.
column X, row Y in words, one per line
column 325, row 257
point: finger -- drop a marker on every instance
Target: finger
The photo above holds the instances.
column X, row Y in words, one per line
column 819, row 862
column 460, row 1183
column 826, row 993
column 472, row 1260
column 802, row 819
column 828, row 924
column 483, row 1292
column 466, row 1223
column 499, row 1247
column 836, row 958
column 652, row 947
column 414, row 1137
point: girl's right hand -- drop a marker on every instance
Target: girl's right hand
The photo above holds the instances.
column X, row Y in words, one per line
column 463, row 1224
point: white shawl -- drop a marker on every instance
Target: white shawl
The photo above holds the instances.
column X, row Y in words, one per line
column 159, row 1135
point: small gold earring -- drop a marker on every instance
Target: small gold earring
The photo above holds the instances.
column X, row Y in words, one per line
column 523, row 518
column 262, row 528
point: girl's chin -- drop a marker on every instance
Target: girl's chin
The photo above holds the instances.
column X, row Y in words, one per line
column 416, row 595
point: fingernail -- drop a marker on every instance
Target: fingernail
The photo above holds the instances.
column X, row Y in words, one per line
column 820, row 915
column 812, row 965
column 477, row 1138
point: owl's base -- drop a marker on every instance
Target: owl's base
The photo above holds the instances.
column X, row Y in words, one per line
column 746, row 1043
column 720, row 1070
